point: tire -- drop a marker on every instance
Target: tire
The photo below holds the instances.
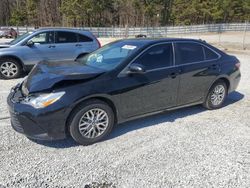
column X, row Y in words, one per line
column 216, row 95
column 90, row 127
column 14, row 71
column 80, row 57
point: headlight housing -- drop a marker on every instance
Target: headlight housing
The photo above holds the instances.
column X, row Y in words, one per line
column 43, row 100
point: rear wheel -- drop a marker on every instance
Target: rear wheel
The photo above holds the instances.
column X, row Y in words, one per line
column 216, row 95
column 10, row 68
column 91, row 122
column 79, row 58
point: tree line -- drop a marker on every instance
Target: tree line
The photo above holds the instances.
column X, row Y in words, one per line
column 121, row 13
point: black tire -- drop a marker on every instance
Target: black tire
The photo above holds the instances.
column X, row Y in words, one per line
column 77, row 115
column 209, row 104
column 80, row 57
column 17, row 65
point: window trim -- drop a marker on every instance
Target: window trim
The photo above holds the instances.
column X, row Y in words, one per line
column 218, row 55
column 196, row 62
column 31, row 37
column 125, row 69
column 80, row 34
column 58, row 43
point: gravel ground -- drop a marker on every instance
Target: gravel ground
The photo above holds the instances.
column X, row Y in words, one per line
column 191, row 147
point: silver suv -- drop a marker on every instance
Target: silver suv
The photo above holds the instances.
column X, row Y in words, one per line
column 51, row 45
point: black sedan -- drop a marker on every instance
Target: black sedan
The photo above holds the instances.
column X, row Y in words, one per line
column 123, row 80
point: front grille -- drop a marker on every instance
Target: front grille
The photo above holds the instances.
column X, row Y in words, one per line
column 16, row 123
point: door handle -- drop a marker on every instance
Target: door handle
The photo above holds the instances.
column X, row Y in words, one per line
column 52, row 46
column 78, row 45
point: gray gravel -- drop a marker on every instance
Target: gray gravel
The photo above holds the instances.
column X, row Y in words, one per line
column 191, row 147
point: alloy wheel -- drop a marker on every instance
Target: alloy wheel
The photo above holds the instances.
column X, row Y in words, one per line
column 218, row 95
column 9, row 69
column 93, row 123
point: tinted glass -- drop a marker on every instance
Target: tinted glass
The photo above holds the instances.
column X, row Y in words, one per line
column 188, row 53
column 83, row 38
column 66, row 37
column 111, row 55
column 209, row 54
column 43, row 38
column 159, row 56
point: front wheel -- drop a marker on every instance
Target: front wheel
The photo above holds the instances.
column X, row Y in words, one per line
column 91, row 122
column 216, row 95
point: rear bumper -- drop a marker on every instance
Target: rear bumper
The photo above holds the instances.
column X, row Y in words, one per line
column 35, row 123
column 234, row 81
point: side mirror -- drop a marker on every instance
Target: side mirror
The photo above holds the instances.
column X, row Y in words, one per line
column 30, row 43
column 136, row 69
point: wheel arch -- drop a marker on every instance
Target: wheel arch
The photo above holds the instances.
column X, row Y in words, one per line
column 226, row 80
column 223, row 78
column 81, row 54
column 15, row 58
column 104, row 99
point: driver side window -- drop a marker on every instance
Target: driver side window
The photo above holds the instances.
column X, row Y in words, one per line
column 43, row 38
column 159, row 56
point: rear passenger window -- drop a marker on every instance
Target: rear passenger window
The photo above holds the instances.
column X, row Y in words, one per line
column 66, row 37
column 188, row 53
column 209, row 54
column 159, row 56
column 83, row 38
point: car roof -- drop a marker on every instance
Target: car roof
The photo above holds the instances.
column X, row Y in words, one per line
column 61, row 29
column 145, row 41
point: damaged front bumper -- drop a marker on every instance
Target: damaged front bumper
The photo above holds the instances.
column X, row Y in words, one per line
column 41, row 124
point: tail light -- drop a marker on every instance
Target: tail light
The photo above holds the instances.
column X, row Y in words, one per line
column 237, row 65
column 99, row 43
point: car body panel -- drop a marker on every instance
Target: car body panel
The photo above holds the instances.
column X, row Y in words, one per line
column 196, row 79
column 130, row 95
column 142, row 89
column 55, row 73
column 53, row 52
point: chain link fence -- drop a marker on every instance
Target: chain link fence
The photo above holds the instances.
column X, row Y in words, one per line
column 121, row 32
column 234, row 35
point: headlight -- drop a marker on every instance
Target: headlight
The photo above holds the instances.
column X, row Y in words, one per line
column 43, row 100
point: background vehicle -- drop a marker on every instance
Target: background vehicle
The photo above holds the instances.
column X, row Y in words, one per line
column 1, row 33
column 50, row 44
column 141, row 36
column 5, row 33
column 8, row 33
column 123, row 80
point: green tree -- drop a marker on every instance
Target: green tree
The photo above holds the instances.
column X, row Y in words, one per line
column 18, row 14
column 32, row 12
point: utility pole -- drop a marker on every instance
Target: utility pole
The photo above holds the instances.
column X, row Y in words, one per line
column 244, row 36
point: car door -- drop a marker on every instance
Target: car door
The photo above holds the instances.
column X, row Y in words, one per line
column 199, row 67
column 157, row 88
column 42, row 48
column 85, row 44
column 66, row 45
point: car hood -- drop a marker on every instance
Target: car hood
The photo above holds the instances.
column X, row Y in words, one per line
column 45, row 75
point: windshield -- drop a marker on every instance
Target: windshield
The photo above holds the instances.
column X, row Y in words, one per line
column 111, row 55
column 19, row 38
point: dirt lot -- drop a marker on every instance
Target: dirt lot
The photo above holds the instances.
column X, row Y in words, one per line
column 191, row 147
